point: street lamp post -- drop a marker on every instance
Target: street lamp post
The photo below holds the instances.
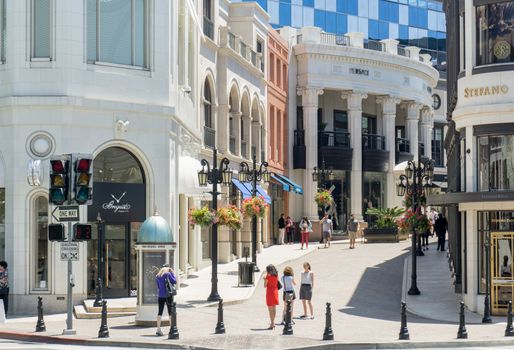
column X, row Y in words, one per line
column 216, row 175
column 487, row 305
column 320, row 175
column 418, row 176
column 254, row 175
column 99, row 261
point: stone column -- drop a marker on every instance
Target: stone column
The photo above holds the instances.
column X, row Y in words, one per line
column 427, row 124
column 258, row 143
column 310, row 124
column 183, row 234
column 247, row 121
column 389, row 116
column 354, row 106
column 222, row 129
column 236, row 119
column 411, row 129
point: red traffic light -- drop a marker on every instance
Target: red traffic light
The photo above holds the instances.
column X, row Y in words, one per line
column 82, row 232
column 83, row 165
column 59, row 166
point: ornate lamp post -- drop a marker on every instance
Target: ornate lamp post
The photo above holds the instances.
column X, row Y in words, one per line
column 320, row 175
column 99, row 261
column 254, row 175
column 214, row 176
column 417, row 178
column 487, row 305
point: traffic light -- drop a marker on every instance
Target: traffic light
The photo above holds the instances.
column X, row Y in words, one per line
column 82, row 185
column 82, row 232
column 56, row 232
column 59, row 183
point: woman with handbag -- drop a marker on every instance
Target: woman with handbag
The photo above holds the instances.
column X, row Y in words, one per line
column 288, row 283
column 272, row 286
column 166, row 288
column 306, row 228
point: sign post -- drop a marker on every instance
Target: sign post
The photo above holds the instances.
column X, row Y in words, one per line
column 71, row 283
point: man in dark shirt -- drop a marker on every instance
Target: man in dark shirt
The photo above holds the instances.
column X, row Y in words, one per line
column 441, row 226
column 281, row 229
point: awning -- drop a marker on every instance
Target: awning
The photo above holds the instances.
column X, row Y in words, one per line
column 441, row 184
column 262, row 192
column 188, row 177
column 285, row 185
column 242, row 188
column 246, row 190
column 295, row 187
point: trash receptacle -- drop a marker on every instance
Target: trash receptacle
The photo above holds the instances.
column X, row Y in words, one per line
column 245, row 270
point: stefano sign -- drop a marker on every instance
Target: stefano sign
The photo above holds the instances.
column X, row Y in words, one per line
column 486, row 91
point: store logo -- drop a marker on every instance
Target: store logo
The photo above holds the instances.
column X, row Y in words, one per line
column 486, row 91
column 359, row 71
column 115, row 204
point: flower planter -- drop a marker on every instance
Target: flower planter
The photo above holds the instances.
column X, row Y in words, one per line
column 381, row 235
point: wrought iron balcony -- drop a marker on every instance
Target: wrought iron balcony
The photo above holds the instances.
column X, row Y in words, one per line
column 334, row 147
column 209, row 137
column 340, row 139
column 402, row 151
column 374, row 154
column 373, row 142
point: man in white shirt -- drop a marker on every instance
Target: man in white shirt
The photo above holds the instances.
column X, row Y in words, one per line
column 326, row 229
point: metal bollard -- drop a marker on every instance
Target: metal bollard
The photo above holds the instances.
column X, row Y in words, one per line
column 462, row 333
column 328, row 334
column 404, row 331
column 104, row 330
column 220, row 326
column 40, row 325
column 288, row 326
column 173, row 334
column 509, row 331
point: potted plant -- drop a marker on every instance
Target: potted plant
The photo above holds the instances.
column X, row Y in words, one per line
column 230, row 216
column 254, row 206
column 385, row 227
column 202, row 217
column 323, row 198
column 414, row 221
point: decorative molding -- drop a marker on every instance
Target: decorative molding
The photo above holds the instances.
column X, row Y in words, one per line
column 388, row 104
column 354, row 99
column 120, row 128
column 412, row 109
column 309, row 96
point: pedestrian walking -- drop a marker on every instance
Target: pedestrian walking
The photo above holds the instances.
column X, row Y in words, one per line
column 288, row 284
column 289, row 230
column 281, row 229
column 433, row 217
column 326, row 229
column 166, row 282
column 352, row 228
column 272, row 286
column 4, row 285
column 307, row 284
column 306, row 228
column 441, row 226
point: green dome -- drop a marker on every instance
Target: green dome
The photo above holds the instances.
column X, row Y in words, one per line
column 155, row 229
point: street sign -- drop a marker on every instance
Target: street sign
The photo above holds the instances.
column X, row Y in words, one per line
column 70, row 251
column 63, row 213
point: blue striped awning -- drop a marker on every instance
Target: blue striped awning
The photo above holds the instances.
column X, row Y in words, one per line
column 246, row 190
column 262, row 192
column 295, row 187
column 285, row 185
column 241, row 187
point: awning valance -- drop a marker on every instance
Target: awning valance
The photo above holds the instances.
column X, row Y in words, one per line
column 285, row 185
column 291, row 185
column 242, row 188
column 246, row 190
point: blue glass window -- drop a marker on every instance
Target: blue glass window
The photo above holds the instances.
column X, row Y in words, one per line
column 309, row 3
column 383, row 30
column 423, row 18
column 353, row 7
column 394, row 12
column 319, row 19
column 273, row 11
column 308, row 16
column 404, row 35
column 403, row 14
column 331, row 25
column 286, row 1
column 413, row 16
column 296, row 16
column 263, row 3
column 285, row 14
column 432, row 40
column 373, row 29
column 383, row 10
column 342, row 6
column 342, row 24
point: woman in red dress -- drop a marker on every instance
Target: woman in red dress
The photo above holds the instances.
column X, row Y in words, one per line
column 271, row 285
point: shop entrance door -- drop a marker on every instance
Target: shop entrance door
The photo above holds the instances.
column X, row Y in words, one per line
column 116, row 261
column 502, row 279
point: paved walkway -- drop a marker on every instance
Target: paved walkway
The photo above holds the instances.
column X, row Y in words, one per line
column 364, row 286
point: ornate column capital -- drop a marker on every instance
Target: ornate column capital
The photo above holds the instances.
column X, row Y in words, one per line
column 309, row 96
column 427, row 116
column 388, row 104
column 412, row 109
column 354, row 99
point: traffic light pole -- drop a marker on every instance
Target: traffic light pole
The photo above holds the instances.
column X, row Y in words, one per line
column 69, row 296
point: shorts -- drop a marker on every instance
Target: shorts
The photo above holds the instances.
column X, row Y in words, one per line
column 352, row 234
column 326, row 234
column 306, row 292
column 161, row 302
column 288, row 292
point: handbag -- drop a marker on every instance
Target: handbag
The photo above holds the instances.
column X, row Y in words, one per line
column 279, row 285
column 170, row 288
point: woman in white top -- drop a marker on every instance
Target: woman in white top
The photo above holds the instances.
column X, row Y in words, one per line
column 306, row 289
column 288, row 284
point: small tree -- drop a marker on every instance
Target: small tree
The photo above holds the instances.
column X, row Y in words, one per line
column 386, row 217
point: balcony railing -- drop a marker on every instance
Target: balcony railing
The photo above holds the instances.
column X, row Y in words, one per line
column 402, row 145
column 231, row 41
column 340, row 139
column 402, row 51
column 242, row 50
column 209, row 137
column 373, row 142
column 374, row 45
column 232, row 144
column 208, row 27
column 253, row 57
column 243, row 150
column 334, row 39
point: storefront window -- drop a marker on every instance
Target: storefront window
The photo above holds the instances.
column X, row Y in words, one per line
column 152, row 261
column 340, row 212
column 495, row 38
column 2, row 224
column 116, row 165
column 495, row 163
column 41, row 244
column 437, row 146
column 490, row 221
column 373, row 191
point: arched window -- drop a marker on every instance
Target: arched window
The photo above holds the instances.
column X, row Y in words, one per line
column 209, row 132
column 40, row 264
column 117, row 165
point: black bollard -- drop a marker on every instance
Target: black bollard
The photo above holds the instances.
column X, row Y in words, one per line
column 40, row 325
column 404, row 331
column 462, row 333
column 328, row 334
column 173, row 334
column 104, row 330
column 509, row 331
column 220, row 326
column 288, row 326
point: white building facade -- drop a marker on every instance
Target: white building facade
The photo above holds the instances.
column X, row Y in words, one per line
column 92, row 77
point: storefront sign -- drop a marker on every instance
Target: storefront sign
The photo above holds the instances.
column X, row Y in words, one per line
column 486, row 91
column 359, row 71
column 118, row 202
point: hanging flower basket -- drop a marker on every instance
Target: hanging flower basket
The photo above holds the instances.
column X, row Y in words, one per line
column 254, row 206
column 416, row 221
column 422, row 199
column 230, row 216
column 203, row 217
column 323, row 198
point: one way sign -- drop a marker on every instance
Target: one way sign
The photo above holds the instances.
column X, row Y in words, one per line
column 64, row 213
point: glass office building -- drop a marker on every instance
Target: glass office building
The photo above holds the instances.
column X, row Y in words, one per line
column 419, row 23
